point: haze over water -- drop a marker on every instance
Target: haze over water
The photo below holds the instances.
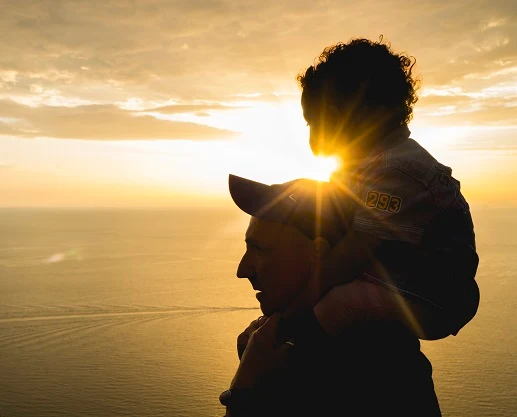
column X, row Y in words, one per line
column 135, row 313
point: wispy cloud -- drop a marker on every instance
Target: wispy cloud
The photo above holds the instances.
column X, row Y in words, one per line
column 192, row 69
column 78, row 53
column 188, row 108
column 491, row 139
column 97, row 122
column 5, row 168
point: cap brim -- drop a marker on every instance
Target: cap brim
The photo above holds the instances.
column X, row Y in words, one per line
column 257, row 199
column 315, row 208
column 248, row 195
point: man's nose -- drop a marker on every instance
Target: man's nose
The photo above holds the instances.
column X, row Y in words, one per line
column 243, row 270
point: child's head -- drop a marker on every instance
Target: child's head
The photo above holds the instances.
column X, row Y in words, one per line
column 355, row 93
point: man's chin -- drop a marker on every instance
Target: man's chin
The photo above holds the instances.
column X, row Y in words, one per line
column 269, row 310
column 265, row 310
column 268, row 307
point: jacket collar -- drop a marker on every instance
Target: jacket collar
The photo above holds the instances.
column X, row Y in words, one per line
column 392, row 139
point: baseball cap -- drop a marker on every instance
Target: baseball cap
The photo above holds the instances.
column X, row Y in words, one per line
column 315, row 208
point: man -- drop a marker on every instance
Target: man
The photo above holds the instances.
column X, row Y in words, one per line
column 293, row 367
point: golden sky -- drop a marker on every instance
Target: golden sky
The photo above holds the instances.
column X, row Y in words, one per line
column 153, row 102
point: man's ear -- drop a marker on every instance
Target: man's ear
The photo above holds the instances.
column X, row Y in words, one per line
column 321, row 247
column 321, row 250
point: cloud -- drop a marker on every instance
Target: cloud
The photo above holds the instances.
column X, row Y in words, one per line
column 158, row 50
column 502, row 112
column 187, row 108
column 484, row 107
column 97, row 122
column 6, row 168
column 238, row 101
column 489, row 139
column 506, row 150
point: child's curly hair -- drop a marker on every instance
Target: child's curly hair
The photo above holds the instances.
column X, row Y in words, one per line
column 366, row 75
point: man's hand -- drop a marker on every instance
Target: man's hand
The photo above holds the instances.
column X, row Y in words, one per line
column 264, row 353
column 243, row 338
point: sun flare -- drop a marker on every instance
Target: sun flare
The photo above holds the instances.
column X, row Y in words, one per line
column 322, row 168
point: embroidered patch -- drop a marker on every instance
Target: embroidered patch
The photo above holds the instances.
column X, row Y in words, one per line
column 383, row 201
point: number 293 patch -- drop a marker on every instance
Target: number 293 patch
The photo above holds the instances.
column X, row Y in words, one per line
column 383, row 201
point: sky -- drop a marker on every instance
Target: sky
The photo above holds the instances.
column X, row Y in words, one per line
column 152, row 103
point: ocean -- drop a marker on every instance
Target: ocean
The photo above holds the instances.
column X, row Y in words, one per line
column 136, row 313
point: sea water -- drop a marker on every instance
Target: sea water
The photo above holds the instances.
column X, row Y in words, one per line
column 136, row 313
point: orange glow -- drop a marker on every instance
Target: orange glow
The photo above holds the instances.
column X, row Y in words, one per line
column 322, row 168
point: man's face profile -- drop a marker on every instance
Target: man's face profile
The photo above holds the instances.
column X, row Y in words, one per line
column 277, row 262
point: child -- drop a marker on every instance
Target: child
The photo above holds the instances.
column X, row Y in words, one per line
column 410, row 255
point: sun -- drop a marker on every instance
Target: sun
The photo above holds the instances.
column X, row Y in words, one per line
column 322, row 168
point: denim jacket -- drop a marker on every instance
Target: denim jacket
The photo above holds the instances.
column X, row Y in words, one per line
column 413, row 203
